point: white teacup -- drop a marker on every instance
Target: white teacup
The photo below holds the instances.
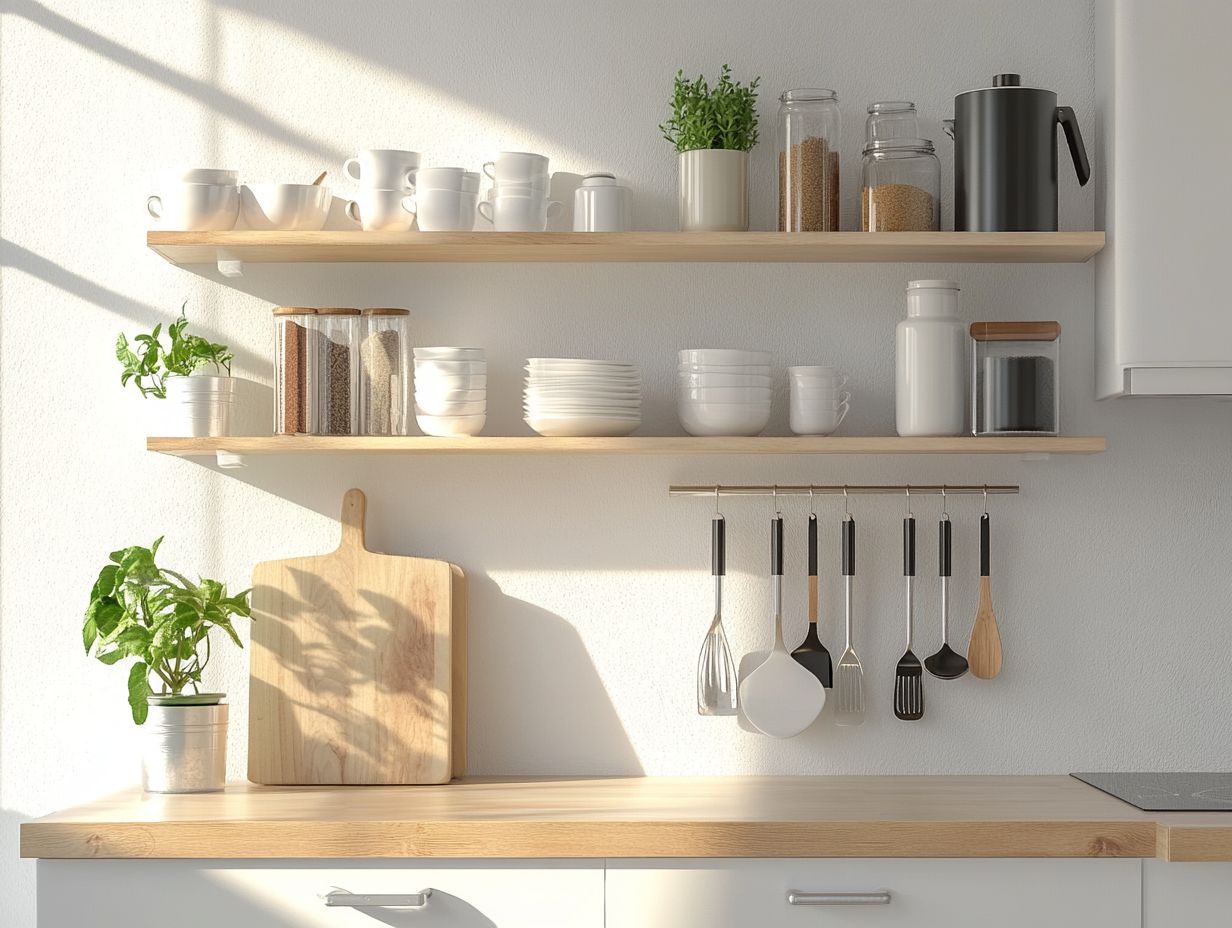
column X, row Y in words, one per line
column 383, row 168
column 223, row 176
column 516, row 166
column 190, row 207
column 459, row 179
column 382, row 210
column 518, row 213
column 814, row 417
column 445, row 210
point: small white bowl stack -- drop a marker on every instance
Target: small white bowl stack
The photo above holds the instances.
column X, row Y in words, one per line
column 723, row 391
column 818, row 401
column 578, row 397
column 451, row 391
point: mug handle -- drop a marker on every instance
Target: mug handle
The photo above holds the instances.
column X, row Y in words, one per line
column 485, row 213
column 352, row 210
column 486, row 166
column 409, row 180
column 844, row 407
column 149, row 207
column 844, row 398
column 554, row 208
column 409, row 204
column 346, row 168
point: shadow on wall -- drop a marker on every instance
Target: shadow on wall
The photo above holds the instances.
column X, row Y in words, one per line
column 17, row 901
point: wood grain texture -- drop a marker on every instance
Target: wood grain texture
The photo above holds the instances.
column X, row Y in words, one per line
column 460, row 648
column 984, row 648
column 673, row 444
column 960, row 816
column 1039, row 331
column 351, row 667
column 734, row 247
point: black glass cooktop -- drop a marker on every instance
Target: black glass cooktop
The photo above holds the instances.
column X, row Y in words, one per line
column 1166, row 792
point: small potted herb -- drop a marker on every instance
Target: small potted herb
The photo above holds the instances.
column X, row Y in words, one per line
column 191, row 375
column 713, row 129
column 163, row 620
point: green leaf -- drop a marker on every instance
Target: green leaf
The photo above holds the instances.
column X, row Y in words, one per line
column 89, row 633
column 112, row 657
column 139, row 691
column 134, row 639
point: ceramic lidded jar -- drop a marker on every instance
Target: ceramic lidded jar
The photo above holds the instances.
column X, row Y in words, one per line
column 930, row 362
column 600, row 205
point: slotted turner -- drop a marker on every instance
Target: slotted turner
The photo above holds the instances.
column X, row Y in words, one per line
column 849, row 675
column 909, row 674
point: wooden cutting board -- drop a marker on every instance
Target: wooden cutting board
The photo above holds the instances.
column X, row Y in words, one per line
column 352, row 667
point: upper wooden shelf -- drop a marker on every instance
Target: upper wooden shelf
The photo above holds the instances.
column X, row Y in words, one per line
column 303, row 247
column 672, row 444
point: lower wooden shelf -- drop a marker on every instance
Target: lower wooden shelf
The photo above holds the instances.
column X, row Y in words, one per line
column 673, row 444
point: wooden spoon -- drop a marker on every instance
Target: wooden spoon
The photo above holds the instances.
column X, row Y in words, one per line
column 317, row 182
column 984, row 649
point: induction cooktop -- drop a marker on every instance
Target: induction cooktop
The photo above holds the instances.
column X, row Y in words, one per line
column 1166, row 792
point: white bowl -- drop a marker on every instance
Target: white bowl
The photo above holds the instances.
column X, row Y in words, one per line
column 450, row 409
column 449, row 354
column 583, row 426
column 432, row 380
column 723, row 418
column 451, row 396
column 760, row 369
column 723, row 380
column 724, row 394
column 722, row 356
column 432, row 366
column 450, row 426
column 285, row 207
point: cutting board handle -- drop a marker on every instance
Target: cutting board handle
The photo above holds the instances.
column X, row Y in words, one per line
column 354, row 507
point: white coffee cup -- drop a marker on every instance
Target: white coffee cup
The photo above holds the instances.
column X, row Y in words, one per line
column 441, row 210
column 223, row 176
column 382, row 210
column 516, row 166
column 814, row 417
column 519, row 213
column 190, row 207
column 383, row 168
column 447, row 179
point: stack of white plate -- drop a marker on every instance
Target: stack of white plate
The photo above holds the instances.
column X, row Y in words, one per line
column 451, row 391
column 723, row 391
column 574, row 397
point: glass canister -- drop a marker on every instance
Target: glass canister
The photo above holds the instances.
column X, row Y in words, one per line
column 809, row 136
column 385, row 372
column 901, row 188
column 1015, row 385
column 891, row 119
column 294, row 409
column 337, row 373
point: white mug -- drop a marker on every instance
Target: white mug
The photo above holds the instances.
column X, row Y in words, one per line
column 519, row 213
column 189, row 207
column 223, row 176
column 447, row 179
column 445, row 210
column 383, row 168
column 811, row 417
column 516, row 166
column 382, row 210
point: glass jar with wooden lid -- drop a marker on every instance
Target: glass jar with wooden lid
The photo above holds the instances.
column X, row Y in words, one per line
column 1015, row 379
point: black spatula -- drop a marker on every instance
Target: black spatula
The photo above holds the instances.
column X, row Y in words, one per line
column 812, row 654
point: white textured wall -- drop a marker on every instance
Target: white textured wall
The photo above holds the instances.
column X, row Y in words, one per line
column 590, row 588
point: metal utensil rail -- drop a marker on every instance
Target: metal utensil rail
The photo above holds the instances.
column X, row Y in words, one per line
column 852, row 489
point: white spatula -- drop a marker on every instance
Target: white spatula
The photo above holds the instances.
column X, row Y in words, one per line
column 780, row 698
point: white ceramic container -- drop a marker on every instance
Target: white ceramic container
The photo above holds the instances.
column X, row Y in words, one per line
column 714, row 190
column 600, row 205
column 186, row 206
column 379, row 210
column 184, row 749
column 930, row 396
column 285, row 207
column 383, row 168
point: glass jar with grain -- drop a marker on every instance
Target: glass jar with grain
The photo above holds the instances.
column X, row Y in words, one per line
column 294, row 370
column 385, row 372
column 901, row 188
column 337, row 377
column 809, row 136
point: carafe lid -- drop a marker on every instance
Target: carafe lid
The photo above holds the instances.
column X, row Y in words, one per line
column 1005, row 81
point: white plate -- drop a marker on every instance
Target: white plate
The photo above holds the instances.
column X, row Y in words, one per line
column 581, row 412
column 613, row 393
column 577, row 362
column 585, row 427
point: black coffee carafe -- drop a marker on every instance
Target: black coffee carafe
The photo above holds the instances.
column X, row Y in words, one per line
column 1005, row 157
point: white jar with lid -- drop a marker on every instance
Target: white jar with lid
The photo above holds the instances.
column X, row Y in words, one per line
column 600, row 205
column 930, row 362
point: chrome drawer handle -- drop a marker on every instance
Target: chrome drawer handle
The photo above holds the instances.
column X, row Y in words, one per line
column 878, row 897
column 393, row 900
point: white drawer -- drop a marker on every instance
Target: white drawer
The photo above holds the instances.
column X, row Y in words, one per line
column 288, row 894
column 1186, row 895
column 923, row 893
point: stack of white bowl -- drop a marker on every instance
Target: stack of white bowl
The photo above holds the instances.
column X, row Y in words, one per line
column 723, row 391
column 574, row 397
column 818, row 401
column 451, row 391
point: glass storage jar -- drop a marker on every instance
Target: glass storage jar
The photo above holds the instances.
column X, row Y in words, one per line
column 337, row 373
column 891, row 119
column 901, row 189
column 809, row 136
column 1015, row 386
column 385, row 372
column 294, row 367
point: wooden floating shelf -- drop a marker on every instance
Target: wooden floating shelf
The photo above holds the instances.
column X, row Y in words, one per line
column 680, row 445
column 461, row 247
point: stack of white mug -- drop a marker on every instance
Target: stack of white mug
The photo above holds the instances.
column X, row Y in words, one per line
column 818, row 401
column 445, row 199
column 386, row 178
column 196, row 200
column 518, row 201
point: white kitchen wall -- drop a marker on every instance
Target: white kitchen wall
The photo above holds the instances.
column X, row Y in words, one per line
column 591, row 591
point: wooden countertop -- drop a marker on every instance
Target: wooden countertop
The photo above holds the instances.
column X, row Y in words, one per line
column 943, row 816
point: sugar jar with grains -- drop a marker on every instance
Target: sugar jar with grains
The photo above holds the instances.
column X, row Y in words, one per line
column 809, row 136
column 901, row 176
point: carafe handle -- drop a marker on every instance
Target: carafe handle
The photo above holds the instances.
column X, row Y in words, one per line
column 1069, row 122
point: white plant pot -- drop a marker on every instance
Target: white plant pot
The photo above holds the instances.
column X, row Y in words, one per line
column 199, row 406
column 714, row 190
column 184, row 749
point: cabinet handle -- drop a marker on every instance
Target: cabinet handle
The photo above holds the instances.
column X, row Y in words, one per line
column 396, row 900
column 877, row 897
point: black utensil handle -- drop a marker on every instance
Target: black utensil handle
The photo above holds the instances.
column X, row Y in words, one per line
column 909, row 547
column 776, row 546
column 849, row 547
column 812, row 545
column 943, row 546
column 718, row 546
column 984, row 553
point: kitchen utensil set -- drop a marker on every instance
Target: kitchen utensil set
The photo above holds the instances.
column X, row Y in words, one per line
column 723, row 391
column 451, row 390
column 574, row 397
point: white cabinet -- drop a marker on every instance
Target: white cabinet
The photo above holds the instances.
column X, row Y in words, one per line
column 1186, row 895
column 1020, row 893
column 290, row 894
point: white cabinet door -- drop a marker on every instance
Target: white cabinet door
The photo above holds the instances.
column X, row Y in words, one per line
column 922, row 893
column 290, row 894
column 1186, row 895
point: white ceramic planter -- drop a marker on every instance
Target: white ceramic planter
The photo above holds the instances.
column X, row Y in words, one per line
column 184, row 749
column 199, row 406
column 714, row 190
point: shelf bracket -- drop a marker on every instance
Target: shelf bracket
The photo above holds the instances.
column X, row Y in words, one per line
column 230, row 267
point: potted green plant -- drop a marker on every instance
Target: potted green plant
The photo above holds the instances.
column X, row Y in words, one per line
column 163, row 621
column 191, row 376
column 713, row 129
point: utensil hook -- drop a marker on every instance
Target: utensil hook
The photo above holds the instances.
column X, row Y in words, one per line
column 846, row 501
column 985, row 499
column 908, row 490
column 774, row 492
column 812, row 502
column 717, row 513
column 945, row 510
